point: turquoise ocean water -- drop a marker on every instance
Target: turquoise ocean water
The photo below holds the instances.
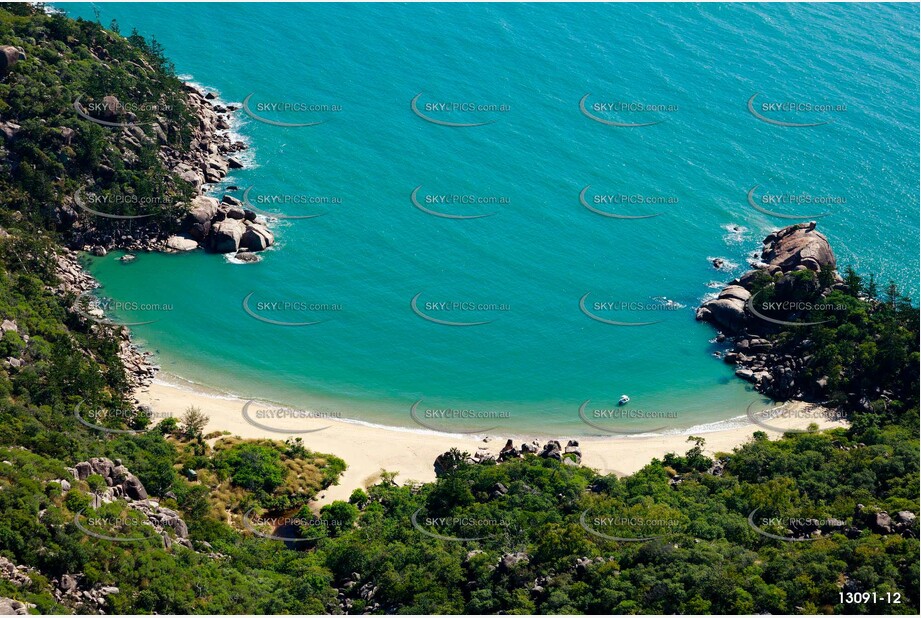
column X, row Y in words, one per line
column 692, row 68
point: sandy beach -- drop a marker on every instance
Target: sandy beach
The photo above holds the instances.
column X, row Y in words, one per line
column 370, row 449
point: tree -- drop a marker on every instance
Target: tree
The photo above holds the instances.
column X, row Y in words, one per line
column 339, row 516
column 359, row 498
column 853, row 282
column 193, row 423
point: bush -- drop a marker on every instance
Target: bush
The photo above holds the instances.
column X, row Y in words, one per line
column 254, row 466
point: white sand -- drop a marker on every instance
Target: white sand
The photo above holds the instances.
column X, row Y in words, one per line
column 369, row 449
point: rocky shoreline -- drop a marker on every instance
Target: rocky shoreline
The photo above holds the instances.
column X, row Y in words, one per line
column 139, row 370
column 797, row 263
column 218, row 226
column 215, row 226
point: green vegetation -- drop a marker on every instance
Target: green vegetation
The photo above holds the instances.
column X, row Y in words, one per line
column 864, row 353
column 539, row 529
column 55, row 152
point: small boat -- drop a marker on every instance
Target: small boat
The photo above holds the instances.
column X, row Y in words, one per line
column 623, row 400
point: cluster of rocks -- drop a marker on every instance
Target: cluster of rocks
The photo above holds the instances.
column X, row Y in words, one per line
column 139, row 369
column 74, row 592
column 571, row 454
column 206, row 162
column 12, row 607
column 209, row 157
column 122, row 485
column 507, row 562
column 19, row 576
column 584, row 564
column 71, row 276
column 222, row 227
column 774, row 371
column 881, row 522
column 219, row 226
column 366, row 592
column 120, row 482
column 8, row 130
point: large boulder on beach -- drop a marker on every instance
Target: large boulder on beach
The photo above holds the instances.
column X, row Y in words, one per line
column 798, row 245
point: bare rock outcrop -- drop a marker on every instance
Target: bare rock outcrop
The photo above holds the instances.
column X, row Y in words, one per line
column 798, row 246
column 18, row 575
column 791, row 249
column 12, row 607
column 222, row 227
column 116, row 476
column 9, row 57
column 749, row 324
column 571, row 454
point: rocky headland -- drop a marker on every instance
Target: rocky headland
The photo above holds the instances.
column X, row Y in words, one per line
column 797, row 269
column 219, row 226
column 216, row 226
